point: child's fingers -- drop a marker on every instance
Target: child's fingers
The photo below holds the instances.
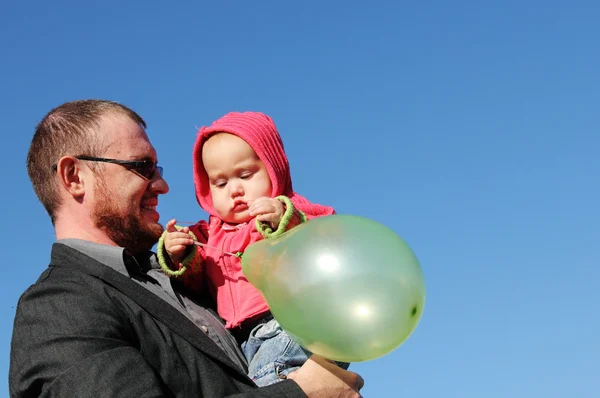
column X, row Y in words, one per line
column 177, row 249
column 181, row 239
column 170, row 227
column 261, row 203
column 252, row 209
column 262, row 208
column 267, row 217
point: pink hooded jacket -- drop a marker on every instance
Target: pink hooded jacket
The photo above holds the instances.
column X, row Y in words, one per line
column 237, row 300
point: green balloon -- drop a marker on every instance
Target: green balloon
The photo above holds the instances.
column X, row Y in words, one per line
column 344, row 287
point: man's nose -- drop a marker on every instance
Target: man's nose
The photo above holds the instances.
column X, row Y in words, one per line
column 158, row 184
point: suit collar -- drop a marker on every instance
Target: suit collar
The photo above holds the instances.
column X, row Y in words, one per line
column 68, row 257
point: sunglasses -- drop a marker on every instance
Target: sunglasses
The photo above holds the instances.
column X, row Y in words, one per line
column 143, row 168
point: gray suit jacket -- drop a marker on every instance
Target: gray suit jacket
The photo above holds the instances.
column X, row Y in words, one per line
column 85, row 330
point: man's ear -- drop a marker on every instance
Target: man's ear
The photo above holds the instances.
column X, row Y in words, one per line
column 70, row 176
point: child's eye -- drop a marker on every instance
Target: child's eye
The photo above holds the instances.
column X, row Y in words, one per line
column 220, row 183
column 245, row 176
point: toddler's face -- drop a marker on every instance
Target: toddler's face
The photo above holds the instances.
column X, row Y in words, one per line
column 236, row 176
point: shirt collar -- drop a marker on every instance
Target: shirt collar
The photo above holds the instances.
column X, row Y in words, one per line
column 113, row 256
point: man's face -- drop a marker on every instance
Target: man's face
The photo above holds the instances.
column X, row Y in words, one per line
column 124, row 203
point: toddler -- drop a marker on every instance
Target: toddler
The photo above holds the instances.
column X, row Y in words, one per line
column 242, row 179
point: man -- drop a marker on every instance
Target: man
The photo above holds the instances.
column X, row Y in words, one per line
column 103, row 320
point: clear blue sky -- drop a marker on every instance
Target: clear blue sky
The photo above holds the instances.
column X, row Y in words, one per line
column 470, row 128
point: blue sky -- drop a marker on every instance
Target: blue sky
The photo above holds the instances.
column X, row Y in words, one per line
column 469, row 128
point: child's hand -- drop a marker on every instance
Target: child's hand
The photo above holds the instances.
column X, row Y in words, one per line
column 177, row 242
column 267, row 210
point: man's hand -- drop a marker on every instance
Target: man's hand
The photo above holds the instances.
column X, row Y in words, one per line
column 267, row 210
column 319, row 378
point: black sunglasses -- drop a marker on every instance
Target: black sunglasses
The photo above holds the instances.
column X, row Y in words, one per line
column 143, row 168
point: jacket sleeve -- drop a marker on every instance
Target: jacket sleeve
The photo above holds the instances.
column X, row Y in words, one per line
column 291, row 218
column 59, row 350
column 283, row 389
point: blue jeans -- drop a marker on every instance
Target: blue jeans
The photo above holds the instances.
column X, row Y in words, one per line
column 272, row 354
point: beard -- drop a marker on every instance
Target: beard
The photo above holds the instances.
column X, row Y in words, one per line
column 129, row 231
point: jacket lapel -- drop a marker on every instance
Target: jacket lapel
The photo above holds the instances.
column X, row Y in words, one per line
column 64, row 256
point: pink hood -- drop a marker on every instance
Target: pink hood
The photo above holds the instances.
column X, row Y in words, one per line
column 260, row 132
